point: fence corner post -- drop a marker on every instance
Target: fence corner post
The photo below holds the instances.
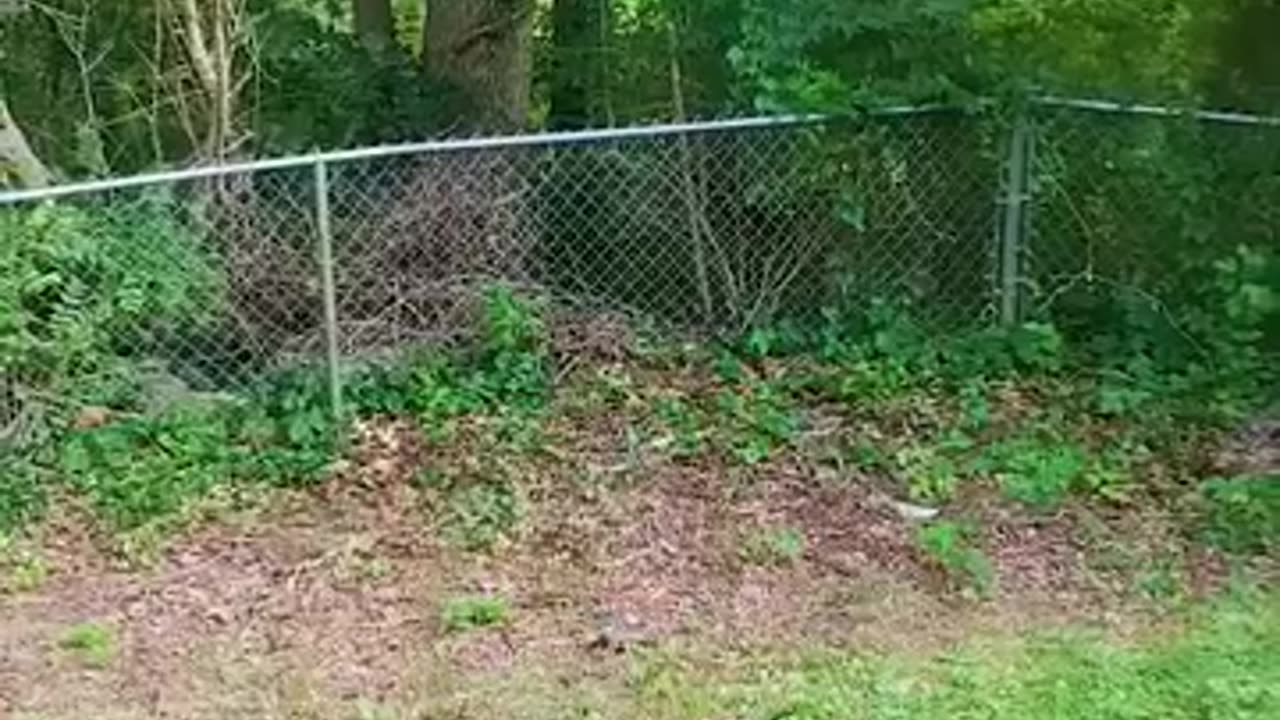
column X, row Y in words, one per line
column 1016, row 203
column 324, row 229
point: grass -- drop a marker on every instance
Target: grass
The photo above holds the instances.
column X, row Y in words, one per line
column 91, row 644
column 1222, row 663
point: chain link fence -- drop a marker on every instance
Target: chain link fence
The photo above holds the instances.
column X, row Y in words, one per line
column 1132, row 209
column 135, row 292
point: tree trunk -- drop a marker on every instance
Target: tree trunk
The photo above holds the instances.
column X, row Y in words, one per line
column 580, row 64
column 211, row 39
column 484, row 48
column 374, row 25
column 18, row 162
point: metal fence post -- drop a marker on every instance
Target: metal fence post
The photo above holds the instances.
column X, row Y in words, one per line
column 1016, row 221
column 325, row 230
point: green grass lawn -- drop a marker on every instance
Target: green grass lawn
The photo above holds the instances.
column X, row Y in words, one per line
column 1222, row 663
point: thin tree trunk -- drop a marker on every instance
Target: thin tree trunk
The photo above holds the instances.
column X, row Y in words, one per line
column 17, row 160
column 693, row 205
column 212, row 59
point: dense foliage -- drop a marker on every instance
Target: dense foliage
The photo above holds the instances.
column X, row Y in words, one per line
column 112, row 87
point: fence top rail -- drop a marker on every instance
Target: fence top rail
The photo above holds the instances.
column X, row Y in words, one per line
column 584, row 137
column 551, row 139
column 545, row 140
column 1116, row 108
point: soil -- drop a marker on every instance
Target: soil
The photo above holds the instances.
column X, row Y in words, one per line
column 327, row 604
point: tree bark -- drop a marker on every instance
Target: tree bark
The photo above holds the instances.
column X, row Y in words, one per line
column 484, row 48
column 580, row 65
column 18, row 162
column 375, row 25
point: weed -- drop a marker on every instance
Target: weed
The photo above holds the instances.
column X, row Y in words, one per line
column 24, row 568
column 22, row 492
column 482, row 513
column 1109, row 475
column 614, row 387
column 136, row 471
column 728, row 368
column 358, row 564
column 1243, row 513
column 868, row 456
column 950, row 545
column 515, row 354
column 370, row 710
column 519, row 431
column 974, row 408
column 1161, row 581
column 28, row 573
column 930, row 476
column 930, row 472
column 861, row 381
column 756, row 420
column 685, row 425
column 469, row 613
column 1033, row 471
column 92, row 644
column 773, row 546
column 429, row 478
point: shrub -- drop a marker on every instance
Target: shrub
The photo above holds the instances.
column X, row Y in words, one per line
column 1036, row 472
column 82, row 290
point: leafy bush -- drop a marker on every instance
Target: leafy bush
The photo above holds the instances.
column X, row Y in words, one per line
column 84, row 290
column 1034, row 471
column 135, row 471
column 139, row 469
column 1244, row 513
column 515, row 359
column 509, row 366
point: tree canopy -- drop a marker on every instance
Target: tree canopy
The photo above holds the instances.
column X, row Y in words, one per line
column 100, row 87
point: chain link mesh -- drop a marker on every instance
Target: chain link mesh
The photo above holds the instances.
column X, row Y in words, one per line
column 205, row 285
column 1133, row 212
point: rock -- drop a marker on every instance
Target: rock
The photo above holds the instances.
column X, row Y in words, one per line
column 92, row 417
column 617, row 632
column 913, row 513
